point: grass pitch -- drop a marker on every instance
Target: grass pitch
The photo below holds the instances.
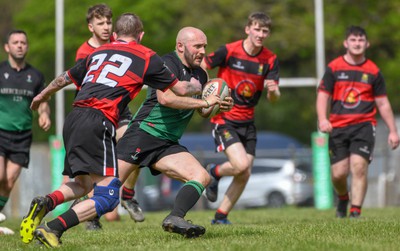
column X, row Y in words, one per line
column 252, row 229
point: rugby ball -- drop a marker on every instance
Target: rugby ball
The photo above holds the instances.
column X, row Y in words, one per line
column 215, row 86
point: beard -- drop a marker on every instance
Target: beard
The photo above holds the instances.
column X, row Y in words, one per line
column 18, row 57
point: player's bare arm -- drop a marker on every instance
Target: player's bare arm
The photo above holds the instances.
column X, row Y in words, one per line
column 170, row 99
column 57, row 84
column 273, row 92
column 44, row 116
column 386, row 112
column 186, row 88
column 322, row 112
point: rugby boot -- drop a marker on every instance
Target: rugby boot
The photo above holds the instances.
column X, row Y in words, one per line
column 134, row 210
column 175, row 224
column 37, row 211
column 47, row 236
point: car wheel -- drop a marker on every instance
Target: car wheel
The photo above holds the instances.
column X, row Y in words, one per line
column 276, row 199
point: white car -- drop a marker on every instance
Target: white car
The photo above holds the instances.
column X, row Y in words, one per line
column 273, row 183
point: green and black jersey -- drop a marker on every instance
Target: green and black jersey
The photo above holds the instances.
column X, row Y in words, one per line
column 17, row 89
column 161, row 121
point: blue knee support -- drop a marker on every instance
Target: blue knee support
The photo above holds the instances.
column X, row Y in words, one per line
column 106, row 198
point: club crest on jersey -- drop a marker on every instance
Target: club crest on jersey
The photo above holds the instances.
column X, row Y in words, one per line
column 364, row 78
column 6, row 75
column 260, row 69
column 351, row 98
column 111, row 192
column 29, row 78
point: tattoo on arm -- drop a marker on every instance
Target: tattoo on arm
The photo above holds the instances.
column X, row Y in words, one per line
column 61, row 81
column 193, row 89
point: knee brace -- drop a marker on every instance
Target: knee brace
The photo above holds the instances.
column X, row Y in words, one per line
column 106, row 198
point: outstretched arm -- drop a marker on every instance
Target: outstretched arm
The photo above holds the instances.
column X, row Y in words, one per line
column 57, row 84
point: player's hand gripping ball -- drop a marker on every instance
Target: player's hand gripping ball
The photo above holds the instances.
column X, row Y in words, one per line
column 215, row 86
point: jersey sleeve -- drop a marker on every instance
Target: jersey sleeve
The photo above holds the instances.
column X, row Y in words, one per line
column 217, row 58
column 77, row 72
column 379, row 85
column 273, row 72
column 327, row 82
column 158, row 75
column 171, row 65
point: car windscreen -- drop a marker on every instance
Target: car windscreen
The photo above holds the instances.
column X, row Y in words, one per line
column 265, row 169
column 304, row 167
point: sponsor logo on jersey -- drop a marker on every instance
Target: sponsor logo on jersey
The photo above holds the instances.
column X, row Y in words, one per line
column 111, row 192
column 343, row 76
column 238, row 65
column 244, row 92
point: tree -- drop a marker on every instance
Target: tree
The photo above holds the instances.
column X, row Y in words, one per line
column 292, row 39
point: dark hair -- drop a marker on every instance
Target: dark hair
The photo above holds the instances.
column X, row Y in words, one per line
column 98, row 11
column 7, row 39
column 356, row 31
column 261, row 18
column 129, row 24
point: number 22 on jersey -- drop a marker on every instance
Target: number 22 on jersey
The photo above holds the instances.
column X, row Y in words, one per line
column 102, row 71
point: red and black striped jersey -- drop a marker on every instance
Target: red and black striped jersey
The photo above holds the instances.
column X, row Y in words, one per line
column 84, row 50
column 114, row 74
column 245, row 75
column 353, row 89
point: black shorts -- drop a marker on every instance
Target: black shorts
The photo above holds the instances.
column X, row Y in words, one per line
column 143, row 149
column 125, row 117
column 227, row 134
column 15, row 146
column 358, row 139
column 89, row 139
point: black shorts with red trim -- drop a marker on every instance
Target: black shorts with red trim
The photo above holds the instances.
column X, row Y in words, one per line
column 89, row 139
column 358, row 139
column 141, row 148
column 228, row 134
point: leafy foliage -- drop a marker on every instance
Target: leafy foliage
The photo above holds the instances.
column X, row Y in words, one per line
column 292, row 39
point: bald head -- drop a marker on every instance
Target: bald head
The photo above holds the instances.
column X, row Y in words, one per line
column 188, row 34
column 190, row 46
